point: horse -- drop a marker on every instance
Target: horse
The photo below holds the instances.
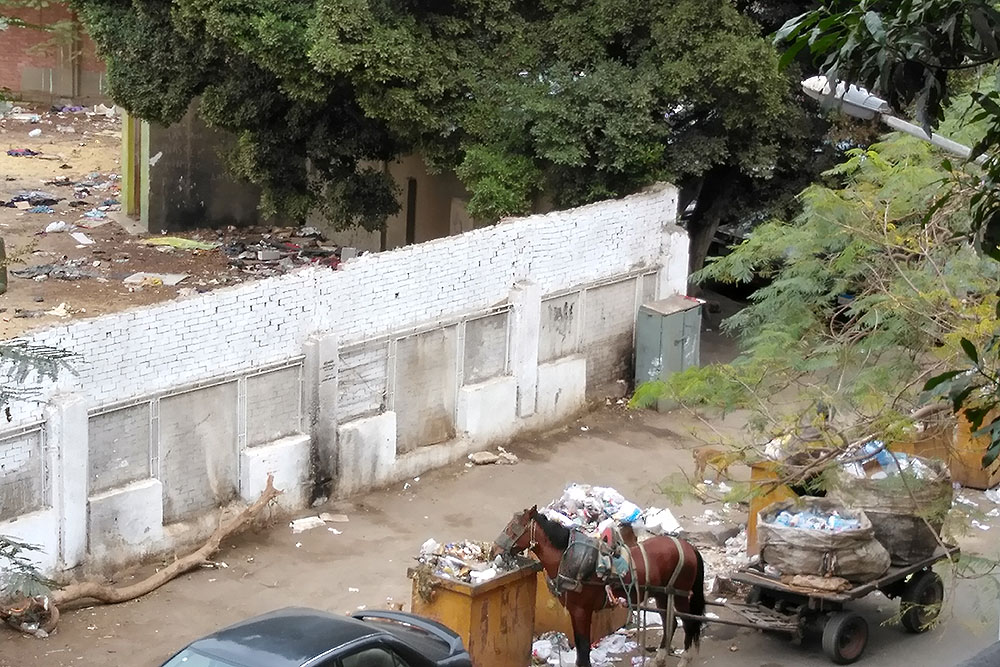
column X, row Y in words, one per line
column 660, row 564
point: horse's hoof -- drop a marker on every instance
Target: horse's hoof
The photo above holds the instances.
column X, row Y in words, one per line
column 660, row 659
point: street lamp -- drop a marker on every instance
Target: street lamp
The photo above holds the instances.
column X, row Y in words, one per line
column 859, row 103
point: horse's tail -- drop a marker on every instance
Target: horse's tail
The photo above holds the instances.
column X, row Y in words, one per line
column 692, row 628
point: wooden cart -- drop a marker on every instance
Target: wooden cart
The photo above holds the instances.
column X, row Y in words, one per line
column 778, row 607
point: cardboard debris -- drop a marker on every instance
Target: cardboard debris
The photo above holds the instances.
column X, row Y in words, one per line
column 153, row 279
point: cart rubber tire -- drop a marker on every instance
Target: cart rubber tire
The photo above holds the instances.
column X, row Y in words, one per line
column 920, row 604
column 845, row 637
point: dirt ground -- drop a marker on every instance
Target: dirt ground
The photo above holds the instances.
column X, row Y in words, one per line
column 81, row 169
column 271, row 567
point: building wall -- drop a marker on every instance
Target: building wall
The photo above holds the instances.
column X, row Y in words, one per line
column 71, row 71
column 335, row 381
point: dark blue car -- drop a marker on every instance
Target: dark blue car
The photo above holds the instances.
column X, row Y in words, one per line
column 297, row 637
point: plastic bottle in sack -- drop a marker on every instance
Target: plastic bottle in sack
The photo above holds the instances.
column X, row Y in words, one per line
column 783, row 519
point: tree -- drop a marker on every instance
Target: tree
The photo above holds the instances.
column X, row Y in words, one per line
column 915, row 52
column 869, row 297
column 579, row 100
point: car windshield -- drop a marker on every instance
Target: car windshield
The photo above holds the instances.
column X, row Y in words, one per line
column 189, row 658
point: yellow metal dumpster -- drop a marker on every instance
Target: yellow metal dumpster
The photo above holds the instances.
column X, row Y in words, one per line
column 766, row 490
column 495, row 619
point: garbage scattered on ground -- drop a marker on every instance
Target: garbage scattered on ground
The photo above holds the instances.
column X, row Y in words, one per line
column 503, row 457
column 311, row 522
column 59, row 311
column 466, row 561
column 552, row 648
column 977, row 524
column 155, row 279
column 82, row 238
column 35, row 133
column 68, row 270
column 22, row 152
column 831, row 522
column 41, row 209
column 993, row 495
column 56, row 227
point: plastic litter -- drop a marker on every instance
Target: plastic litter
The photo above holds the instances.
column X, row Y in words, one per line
column 41, row 209
column 306, row 523
column 812, row 520
column 586, row 507
column 57, row 226
column 993, row 495
column 35, row 133
column 552, row 648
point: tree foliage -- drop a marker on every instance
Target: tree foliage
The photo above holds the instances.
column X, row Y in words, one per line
column 580, row 100
column 914, row 52
column 869, row 297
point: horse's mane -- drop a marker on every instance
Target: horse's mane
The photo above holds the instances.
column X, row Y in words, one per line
column 557, row 533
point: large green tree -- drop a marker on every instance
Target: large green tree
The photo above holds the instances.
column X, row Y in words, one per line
column 577, row 99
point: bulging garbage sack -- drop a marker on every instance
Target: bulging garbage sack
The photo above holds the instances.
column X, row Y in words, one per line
column 818, row 536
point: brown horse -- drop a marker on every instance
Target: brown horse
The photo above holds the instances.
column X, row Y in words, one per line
column 659, row 563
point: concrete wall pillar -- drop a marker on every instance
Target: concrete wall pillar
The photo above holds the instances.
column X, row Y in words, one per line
column 672, row 278
column 525, row 328
column 67, row 441
column 321, row 368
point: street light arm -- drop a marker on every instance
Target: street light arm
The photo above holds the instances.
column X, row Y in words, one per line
column 952, row 147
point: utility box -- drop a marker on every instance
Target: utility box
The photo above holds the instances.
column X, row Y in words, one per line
column 667, row 339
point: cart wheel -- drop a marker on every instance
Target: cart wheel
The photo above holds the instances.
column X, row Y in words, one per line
column 845, row 636
column 920, row 604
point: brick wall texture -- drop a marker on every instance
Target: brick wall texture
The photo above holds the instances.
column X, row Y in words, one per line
column 22, row 475
column 139, row 352
column 274, row 405
column 485, row 348
column 23, row 60
column 119, row 447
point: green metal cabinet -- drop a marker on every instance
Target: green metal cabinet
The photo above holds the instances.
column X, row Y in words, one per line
column 667, row 339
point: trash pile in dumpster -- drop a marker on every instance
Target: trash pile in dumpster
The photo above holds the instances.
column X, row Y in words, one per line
column 467, row 561
column 589, row 507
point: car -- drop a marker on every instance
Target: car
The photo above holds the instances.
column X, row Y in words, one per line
column 300, row 637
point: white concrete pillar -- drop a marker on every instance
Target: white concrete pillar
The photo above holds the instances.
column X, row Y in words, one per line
column 321, row 368
column 66, row 434
column 672, row 278
column 525, row 328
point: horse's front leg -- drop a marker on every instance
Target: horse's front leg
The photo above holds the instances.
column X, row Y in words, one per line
column 581, row 617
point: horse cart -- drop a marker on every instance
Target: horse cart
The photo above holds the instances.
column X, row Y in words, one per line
column 778, row 607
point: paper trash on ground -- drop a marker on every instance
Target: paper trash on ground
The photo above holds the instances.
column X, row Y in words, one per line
column 143, row 278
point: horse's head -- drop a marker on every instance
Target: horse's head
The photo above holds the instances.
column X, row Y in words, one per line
column 516, row 535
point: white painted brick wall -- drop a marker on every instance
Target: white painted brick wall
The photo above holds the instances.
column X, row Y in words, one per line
column 142, row 351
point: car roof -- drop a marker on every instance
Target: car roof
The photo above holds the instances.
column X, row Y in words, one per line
column 285, row 638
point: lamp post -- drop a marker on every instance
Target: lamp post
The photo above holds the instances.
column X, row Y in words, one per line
column 859, row 103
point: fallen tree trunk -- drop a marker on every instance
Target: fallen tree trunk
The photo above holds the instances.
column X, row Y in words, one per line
column 48, row 608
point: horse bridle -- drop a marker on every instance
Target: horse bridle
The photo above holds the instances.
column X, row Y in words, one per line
column 507, row 540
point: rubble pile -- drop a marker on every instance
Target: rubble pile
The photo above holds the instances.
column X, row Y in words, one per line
column 589, row 507
column 467, row 561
